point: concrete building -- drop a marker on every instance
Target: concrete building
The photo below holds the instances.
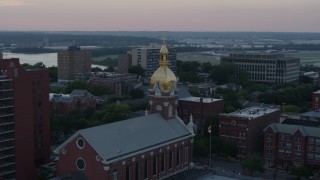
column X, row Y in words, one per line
column 313, row 76
column 148, row 58
column 124, row 63
column 24, row 120
column 199, row 108
column 292, row 145
column 73, row 61
column 154, row 146
column 245, row 127
column 266, row 67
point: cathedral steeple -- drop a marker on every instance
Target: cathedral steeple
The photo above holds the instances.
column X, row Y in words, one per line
column 163, row 89
column 163, row 74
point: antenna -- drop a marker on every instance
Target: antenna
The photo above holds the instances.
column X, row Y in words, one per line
column 164, row 38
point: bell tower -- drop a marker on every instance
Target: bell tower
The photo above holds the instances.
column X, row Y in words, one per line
column 163, row 92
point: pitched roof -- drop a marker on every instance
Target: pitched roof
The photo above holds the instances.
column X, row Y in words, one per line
column 116, row 140
column 78, row 92
column 291, row 129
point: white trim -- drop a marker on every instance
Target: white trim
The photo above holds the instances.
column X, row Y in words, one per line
column 77, row 142
column 84, row 162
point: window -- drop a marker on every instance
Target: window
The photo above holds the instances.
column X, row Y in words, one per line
column 298, row 139
column 269, row 151
column 317, row 142
column 269, row 136
column 309, row 156
column 317, row 149
column 186, row 153
column 145, row 169
column 269, row 144
column 317, row 156
column 137, row 170
column 310, row 141
column 80, row 164
column 127, row 172
column 80, row 143
column 163, row 162
column 115, row 174
column 298, row 147
column 298, row 155
column 309, row 148
column 178, row 157
column 170, row 159
column 154, row 165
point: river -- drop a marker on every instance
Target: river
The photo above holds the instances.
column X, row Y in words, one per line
column 48, row 59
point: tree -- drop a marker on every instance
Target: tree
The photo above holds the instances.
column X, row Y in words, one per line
column 113, row 112
column 136, row 93
column 222, row 73
column 53, row 74
column 138, row 70
column 76, row 85
column 253, row 162
column 301, row 171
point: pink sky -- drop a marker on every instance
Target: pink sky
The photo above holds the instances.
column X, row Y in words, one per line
column 161, row 15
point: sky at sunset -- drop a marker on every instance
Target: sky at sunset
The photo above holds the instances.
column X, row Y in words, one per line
column 161, row 15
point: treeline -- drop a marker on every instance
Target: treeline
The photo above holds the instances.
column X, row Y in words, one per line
column 109, row 51
column 33, row 50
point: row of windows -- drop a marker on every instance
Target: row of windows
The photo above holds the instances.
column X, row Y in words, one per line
column 162, row 157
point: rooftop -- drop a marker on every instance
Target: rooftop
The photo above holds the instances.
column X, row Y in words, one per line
column 253, row 112
column 312, row 114
column 291, row 129
column 317, row 92
column 197, row 99
column 131, row 136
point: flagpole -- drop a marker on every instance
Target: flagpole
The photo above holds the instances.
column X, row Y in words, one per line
column 210, row 143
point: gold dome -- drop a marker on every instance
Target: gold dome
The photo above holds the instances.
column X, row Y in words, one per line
column 165, row 77
column 163, row 74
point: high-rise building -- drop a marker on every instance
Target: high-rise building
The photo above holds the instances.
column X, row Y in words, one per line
column 73, row 61
column 148, row 58
column 266, row 67
column 124, row 63
column 154, row 146
column 24, row 120
column 245, row 127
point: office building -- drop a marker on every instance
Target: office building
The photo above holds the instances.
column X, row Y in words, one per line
column 24, row 120
column 154, row 146
column 73, row 61
column 148, row 58
column 245, row 127
column 292, row 145
column 266, row 67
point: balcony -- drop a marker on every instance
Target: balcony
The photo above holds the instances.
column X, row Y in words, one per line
column 5, row 98
column 6, row 148
column 6, row 131
column 6, row 156
column 6, row 114
column 3, row 123
column 2, row 165
column 6, row 106
column 6, row 139
column 4, row 173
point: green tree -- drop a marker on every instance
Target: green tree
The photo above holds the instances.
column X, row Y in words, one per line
column 136, row 93
column 53, row 73
column 253, row 162
column 138, row 70
column 301, row 171
column 113, row 112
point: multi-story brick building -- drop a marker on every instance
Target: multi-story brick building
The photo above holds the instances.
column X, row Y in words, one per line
column 24, row 120
column 292, row 145
column 148, row 58
column 316, row 100
column 77, row 100
column 245, row 127
column 154, row 146
column 266, row 67
column 73, row 61
column 200, row 108
column 124, row 63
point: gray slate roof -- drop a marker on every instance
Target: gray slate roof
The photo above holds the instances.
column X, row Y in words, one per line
column 313, row 114
column 121, row 138
column 78, row 92
column 291, row 129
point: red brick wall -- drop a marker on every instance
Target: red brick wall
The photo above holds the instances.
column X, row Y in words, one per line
column 67, row 161
column 315, row 101
column 94, row 169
